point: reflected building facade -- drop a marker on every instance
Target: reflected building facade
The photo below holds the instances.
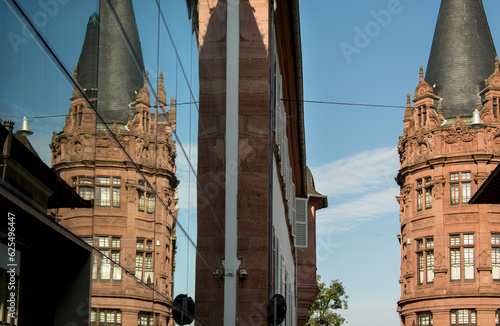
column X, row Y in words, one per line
column 115, row 151
column 449, row 246
column 163, row 175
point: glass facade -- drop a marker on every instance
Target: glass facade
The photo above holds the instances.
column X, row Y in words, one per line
column 112, row 92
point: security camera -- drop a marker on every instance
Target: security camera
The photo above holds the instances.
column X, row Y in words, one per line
column 217, row 273
column 243, row 273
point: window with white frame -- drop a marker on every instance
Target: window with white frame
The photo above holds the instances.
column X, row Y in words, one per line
column 495, row 256
column 460, row 188
column 145, row 319
column 424, row 318
column 424, row 193
column 425, row 260
column 462, row 256
column 105, row 317
column 463, row 317
column 107, row 267
column 146, row 196
column 497, row 319
column 106, row 191
column 144, row 261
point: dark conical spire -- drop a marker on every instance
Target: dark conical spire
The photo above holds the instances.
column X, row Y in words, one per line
column 112, row 42
column 462, row 56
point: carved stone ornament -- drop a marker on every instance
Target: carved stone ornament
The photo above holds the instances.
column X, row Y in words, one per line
column 438, row 187
column 492, row 139
column 423, row 88
column 459, row 133
column 480, row 178
column 439, row 260
column 484, row 259
column 129, row 262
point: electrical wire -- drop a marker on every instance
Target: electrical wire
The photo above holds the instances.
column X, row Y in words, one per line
column 347, row 103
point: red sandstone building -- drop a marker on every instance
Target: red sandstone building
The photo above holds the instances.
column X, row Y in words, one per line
column 114, row 151
column 256, row 201
column 450, row 258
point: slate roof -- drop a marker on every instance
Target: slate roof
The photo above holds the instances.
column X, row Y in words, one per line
column 112, row 42
column 462, row 56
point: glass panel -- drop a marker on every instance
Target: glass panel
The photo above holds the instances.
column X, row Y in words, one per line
column 430, row 266
column 454, row 194
column 140, row 145
column 469, row 263
column 454, row 240
column 468, row 239
column 466, row 192
column 420, row 268
column 429, row 242
column 428, row 198
column 455, row 264
column 495, row 261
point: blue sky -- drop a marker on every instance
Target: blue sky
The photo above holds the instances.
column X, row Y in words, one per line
column 351, row 150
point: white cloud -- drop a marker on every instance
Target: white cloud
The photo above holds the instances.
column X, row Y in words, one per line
column 359, row 188
column 368, row 206
column 357, row 174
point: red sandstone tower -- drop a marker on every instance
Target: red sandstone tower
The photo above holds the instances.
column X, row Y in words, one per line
column 450, row 249
column 122, row 158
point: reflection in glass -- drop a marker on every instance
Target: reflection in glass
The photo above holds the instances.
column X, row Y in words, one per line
column 111, row 91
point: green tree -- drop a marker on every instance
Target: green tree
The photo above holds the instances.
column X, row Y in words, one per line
column 329, row 299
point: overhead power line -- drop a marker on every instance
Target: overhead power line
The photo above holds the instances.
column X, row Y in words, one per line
column 347, row 103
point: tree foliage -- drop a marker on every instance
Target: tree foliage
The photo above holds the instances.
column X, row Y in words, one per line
column 328, row 300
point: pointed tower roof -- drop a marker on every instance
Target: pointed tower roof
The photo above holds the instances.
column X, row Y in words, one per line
column 461, row 57
column 119, row 74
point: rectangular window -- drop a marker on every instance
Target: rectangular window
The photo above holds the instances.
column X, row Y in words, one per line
column 420, row 268
column 424, row 193
column 460, row 188
column 463, row 317
column 150, row 199
column 86, row 193
column 116, row 197
column 419, row 200
column 141, row 200
column 455, row 264
column 454, row 194
column 107, row 317
column 462, row 259
column 109, row 266
column 495, row 256
column 105, row 266
column 144, row 264
column 145, row 319
column 466, row 192
column 100, row 190
column 425, row 260
column 455, row 240
column 428, row 198
column 424, row 318
column 468, row 263
column 430, row 267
